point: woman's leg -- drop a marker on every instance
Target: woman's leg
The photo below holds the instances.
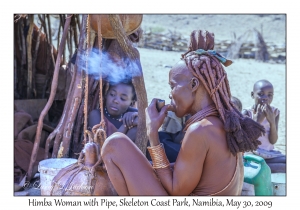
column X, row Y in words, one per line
column 128, row 169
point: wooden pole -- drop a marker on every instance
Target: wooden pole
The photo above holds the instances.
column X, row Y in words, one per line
column 73, row 24
column 22, row 82
column 58, row 35
column 49, row 103
column 34, row 60
column 29, row 57
column 137, row 80
column 49, row 27
column 76, row 97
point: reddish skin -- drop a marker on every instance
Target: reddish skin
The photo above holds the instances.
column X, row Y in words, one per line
column 262, row 94
column 118, row 99
column 204, row 161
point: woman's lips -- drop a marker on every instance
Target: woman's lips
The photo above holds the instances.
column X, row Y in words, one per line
column 172, row 108
column 114, row 108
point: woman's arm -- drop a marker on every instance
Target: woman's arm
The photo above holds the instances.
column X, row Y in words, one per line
column 189, row 163
column 123, row 129
column 129, row 126
column 188, row 166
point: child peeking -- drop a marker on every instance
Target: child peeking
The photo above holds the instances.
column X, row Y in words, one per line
column 119, row 102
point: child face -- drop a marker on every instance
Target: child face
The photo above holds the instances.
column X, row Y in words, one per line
column 118, row 99
column 262, row 93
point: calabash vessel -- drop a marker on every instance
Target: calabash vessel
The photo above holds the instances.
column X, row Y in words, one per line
column 130, row 24
column 85, row 177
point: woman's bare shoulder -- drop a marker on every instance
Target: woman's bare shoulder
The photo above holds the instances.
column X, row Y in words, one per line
column 204, row 129
column 207, row 136
column 206, row 124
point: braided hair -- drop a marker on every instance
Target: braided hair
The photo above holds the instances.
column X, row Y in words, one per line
column 241, row 132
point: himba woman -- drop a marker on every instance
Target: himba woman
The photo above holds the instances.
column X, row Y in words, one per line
column 209, row 161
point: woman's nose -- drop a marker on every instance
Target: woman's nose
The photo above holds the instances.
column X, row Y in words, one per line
column 115, row 100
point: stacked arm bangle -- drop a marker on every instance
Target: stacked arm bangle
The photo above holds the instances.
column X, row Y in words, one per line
column 158, row 156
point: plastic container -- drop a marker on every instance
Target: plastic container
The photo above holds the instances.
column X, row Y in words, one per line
column 279, row 183
column 48, row 169
column 248, row 189
column 258, row 173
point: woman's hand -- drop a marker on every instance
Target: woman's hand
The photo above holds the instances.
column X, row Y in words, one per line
column 155, row 119
column 130, row 119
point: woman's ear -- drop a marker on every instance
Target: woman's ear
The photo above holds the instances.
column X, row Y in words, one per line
column 195, row 84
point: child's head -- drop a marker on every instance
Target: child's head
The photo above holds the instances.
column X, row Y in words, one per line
column 262, row 92
column 119, row 97
column 237, row 103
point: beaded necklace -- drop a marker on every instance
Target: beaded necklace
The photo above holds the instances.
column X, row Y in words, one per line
column 111, row 116
column 207, row 111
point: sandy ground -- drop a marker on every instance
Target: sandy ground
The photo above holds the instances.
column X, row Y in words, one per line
column 224, row 26
column 242, row 74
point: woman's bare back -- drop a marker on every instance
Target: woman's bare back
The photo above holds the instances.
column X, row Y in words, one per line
column 219, row 166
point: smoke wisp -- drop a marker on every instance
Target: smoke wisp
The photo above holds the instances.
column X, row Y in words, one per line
column 112, row 69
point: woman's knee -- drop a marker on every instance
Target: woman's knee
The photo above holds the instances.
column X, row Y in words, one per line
column 113, row 144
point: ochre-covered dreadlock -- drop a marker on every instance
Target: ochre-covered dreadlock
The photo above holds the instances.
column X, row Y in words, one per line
column 241, row 132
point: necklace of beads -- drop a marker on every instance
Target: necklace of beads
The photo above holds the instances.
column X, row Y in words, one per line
column 207, row 111
column 112, row 116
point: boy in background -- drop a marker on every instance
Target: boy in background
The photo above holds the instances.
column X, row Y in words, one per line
column 268, row 116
